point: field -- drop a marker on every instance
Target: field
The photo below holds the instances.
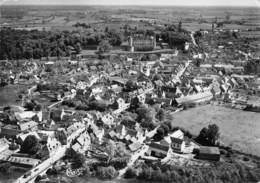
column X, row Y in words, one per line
column 239, row 129
column 63, row 17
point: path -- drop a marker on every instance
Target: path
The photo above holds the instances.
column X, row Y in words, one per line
column 139, row 152
column 192, row 38
column 133, row 158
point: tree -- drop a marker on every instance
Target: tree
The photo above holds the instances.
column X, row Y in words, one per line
column 97, row 105
column 130, row 173
column 180, row 26
column 107, row 172
column 104, row 47
column 110, row 148
column 159, row 134
column 228, row 15
column 157, row 175
column 78, row 160
column 157, row 77
column 161, row 114
column 202, row 138
column 130, row 86
column 213, row 134
column 145, row 174
column 121, row 151
column 209, row 135
column 30, row 145
column 78, row 48
column 166, row 129
column 114, row 37
column 153, row 57
column 146, row 117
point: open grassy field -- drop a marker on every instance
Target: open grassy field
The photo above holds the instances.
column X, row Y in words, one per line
column 239, row 129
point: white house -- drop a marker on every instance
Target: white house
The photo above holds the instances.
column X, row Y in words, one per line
column 177, row 145
column 82, row 143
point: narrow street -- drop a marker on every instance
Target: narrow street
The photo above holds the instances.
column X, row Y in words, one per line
column 133, row 158
column 139, row 152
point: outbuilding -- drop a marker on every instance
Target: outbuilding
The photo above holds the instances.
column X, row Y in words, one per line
column 209, row 153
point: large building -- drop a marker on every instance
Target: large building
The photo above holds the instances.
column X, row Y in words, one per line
column 139, row 43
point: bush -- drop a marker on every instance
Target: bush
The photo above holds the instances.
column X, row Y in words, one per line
column 78, row 160
column 220, row 172
column 87, row 172
column 223, row 152
column 107, row 172
column 69, row 103
column 97, row 105
column 130, row 173
column 82, row 107
column 195, row 151
column 258, row 164
column 30, row 145
column 228, row 155
column 119, row 163
column 245, row 158
column 104, row 46
column 145, row 174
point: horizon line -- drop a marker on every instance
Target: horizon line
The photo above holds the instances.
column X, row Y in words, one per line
column 162, row 5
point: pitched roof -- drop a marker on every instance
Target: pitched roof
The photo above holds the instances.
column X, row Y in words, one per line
column 118, row 80
column 23, row 136
column 177, row 134
column 71, row 129
column 81, row 140
column 112, row 134
column 119, row 128
column 76, row 147
column 135, row 146
column 27, row 125
column 162, row 145
column 209, row 150
column 176, row 140
column 131, row 132
column 24, row 160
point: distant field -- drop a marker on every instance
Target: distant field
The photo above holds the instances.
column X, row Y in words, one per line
column 239, row 129
column 194, row 26
column 63, row 17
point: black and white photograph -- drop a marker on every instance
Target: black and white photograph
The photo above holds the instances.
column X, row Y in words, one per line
column 129, row 91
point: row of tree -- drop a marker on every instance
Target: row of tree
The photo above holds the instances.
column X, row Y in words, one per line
column 219, row 173
column 23, row 44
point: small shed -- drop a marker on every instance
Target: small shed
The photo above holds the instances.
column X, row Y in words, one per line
column 209, row 153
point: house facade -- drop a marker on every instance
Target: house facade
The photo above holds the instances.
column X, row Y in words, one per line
column 177, row 144
column 158, row 149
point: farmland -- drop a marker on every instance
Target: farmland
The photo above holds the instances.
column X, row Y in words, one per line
column 63, row 17
column 240, row 130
